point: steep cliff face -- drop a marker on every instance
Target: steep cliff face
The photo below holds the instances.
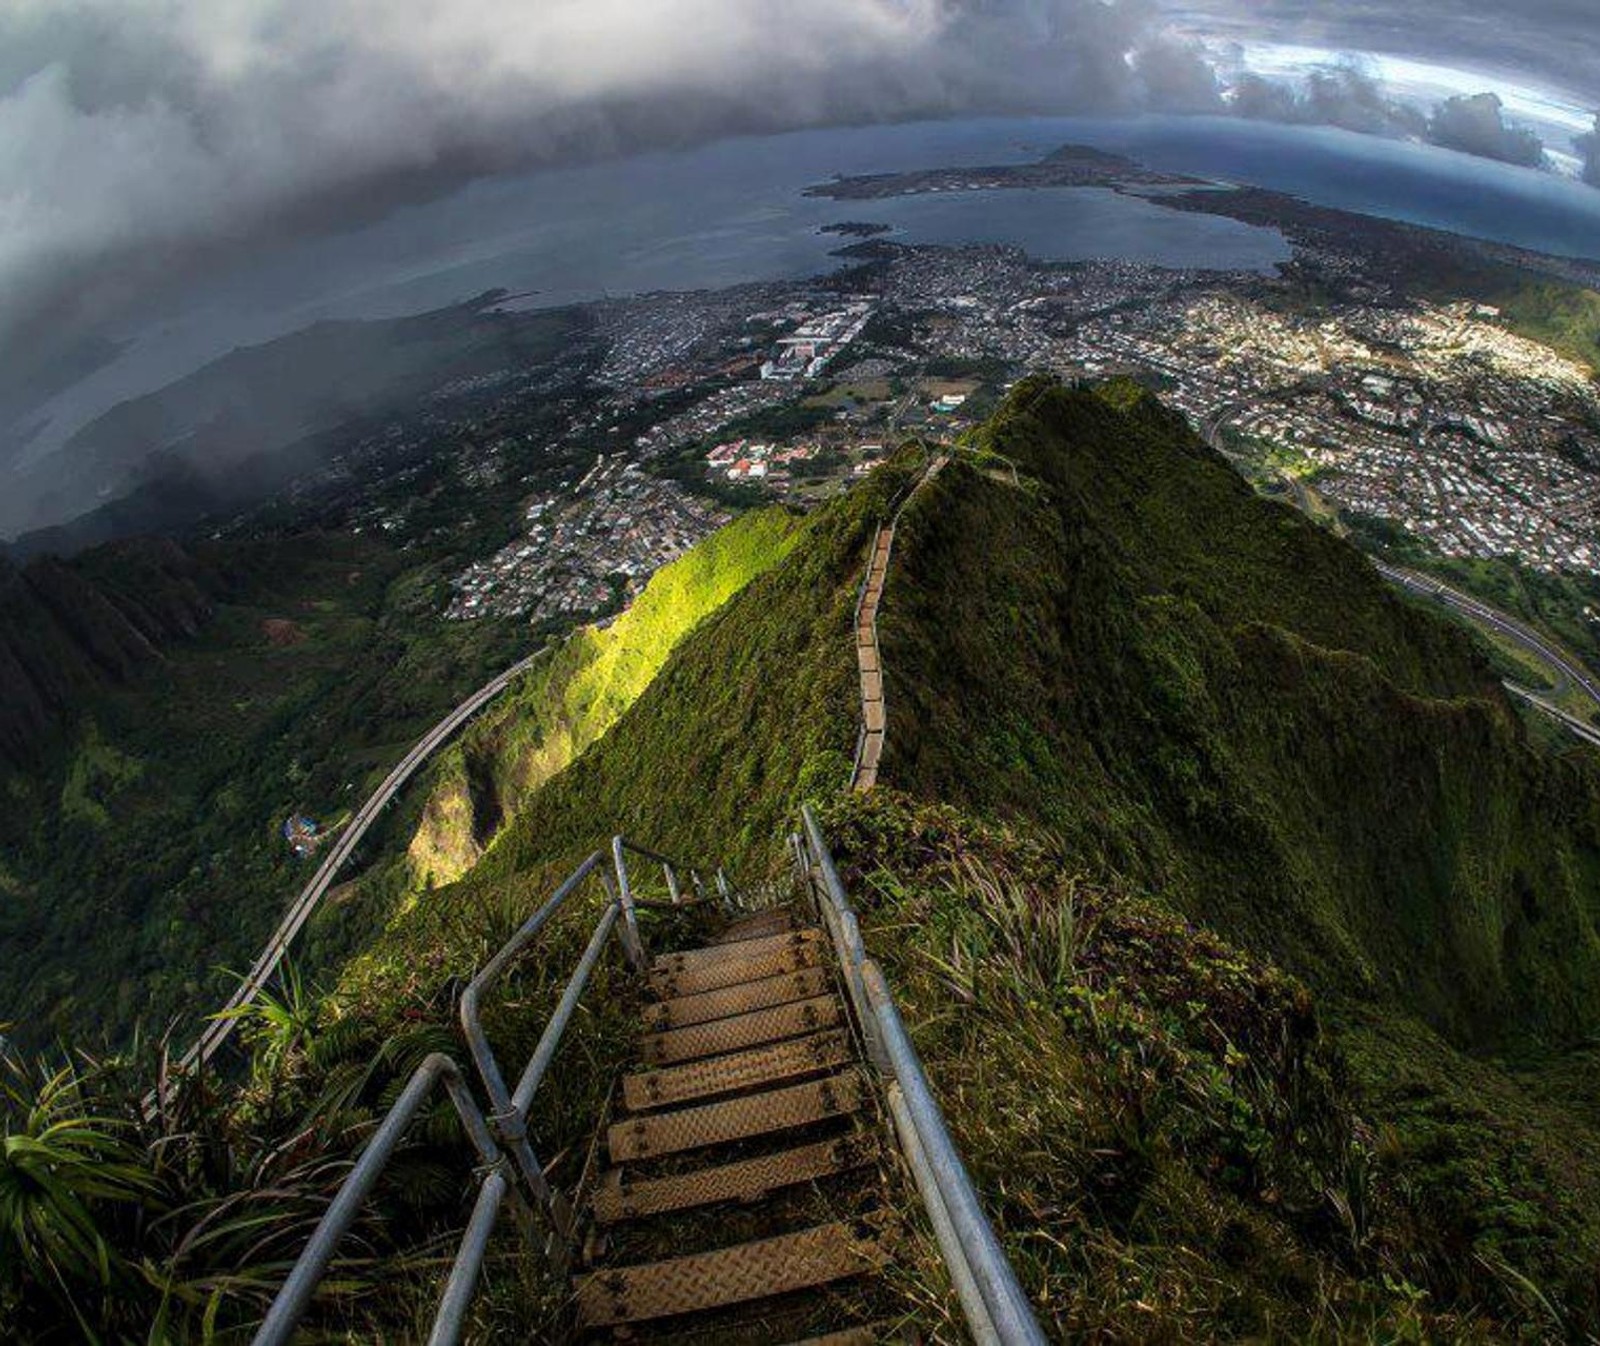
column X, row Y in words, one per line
column 70, row 627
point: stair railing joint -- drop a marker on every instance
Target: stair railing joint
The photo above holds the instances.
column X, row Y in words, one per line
column 298, row 1289
column 632, row 941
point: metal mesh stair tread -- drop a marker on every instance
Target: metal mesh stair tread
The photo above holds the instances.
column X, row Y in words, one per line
column 774, row 921
column 710, row 1280
column 744, row 1180
column 740, row 1070
column 736, row 1119
column 733, row 972
column 729, row 1001
column 754, row 947
column 757, row 1028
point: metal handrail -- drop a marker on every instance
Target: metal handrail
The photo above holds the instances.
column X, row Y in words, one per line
column 509, row 1122
column 992, row 1299
column 509, row 1166
column 295, row 1296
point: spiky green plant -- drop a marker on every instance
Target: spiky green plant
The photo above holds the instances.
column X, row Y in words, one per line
column 278, row 1026
column 63, row 1164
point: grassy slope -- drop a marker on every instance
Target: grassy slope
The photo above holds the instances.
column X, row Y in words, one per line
column 579, row 693
column 1168, row 1141
column 1197, row 693
column 752, row 713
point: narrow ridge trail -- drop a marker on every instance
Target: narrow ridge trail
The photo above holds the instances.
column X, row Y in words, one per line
column 869, row 656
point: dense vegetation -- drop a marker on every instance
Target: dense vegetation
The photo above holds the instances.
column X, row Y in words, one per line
column 1250, row 941
column 1170, row 1139
column 1198, row 693
column 142, row 854
column 580, row 692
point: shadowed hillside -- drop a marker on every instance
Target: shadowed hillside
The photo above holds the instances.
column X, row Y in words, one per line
column 71, row 628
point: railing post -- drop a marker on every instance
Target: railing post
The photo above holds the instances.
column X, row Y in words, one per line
column 632, row 943
column 672, row 884
column 509, row 1122
column 996, row 1279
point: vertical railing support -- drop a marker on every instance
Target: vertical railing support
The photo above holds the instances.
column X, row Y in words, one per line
column 672, row 884
column 798, row 847
column 632, row 942
column 295, row 1296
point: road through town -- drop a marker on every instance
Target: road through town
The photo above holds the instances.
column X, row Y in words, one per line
column 1565, row 665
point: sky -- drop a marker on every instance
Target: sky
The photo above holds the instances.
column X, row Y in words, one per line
column 146, row 143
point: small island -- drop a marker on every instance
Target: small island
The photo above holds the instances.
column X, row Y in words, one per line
column 855, row 229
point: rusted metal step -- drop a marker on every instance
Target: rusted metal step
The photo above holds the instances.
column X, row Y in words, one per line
column 755, row 926
column 851, row 1336
column 756, row 947
column 742, row 1070
column 735, row 971
column 736, row 1118
column 619, row 1199
column 728, row 1001
column 734, row 1034
column 736, row 1275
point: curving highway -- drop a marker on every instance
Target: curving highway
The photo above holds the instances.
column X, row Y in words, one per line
column 299, row 912
column 1566, row 666
column 1523, row 635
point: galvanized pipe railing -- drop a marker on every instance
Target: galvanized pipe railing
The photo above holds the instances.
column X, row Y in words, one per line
column 509, row 1166
column 992, row 1299
column 510, row 1122
column 295, row 1297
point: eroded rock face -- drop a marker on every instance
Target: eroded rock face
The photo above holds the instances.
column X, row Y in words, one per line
column 68, row 627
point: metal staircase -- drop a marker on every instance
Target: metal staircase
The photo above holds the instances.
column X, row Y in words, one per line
column 757, row 1154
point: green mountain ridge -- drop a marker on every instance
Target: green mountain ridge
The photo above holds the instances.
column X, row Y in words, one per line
column 1164, row 689
column 578, row 694
column 1249, row 940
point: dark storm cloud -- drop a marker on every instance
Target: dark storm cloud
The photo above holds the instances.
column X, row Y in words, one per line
column 140, row 139
column 137, row 136
column 1476, row 124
